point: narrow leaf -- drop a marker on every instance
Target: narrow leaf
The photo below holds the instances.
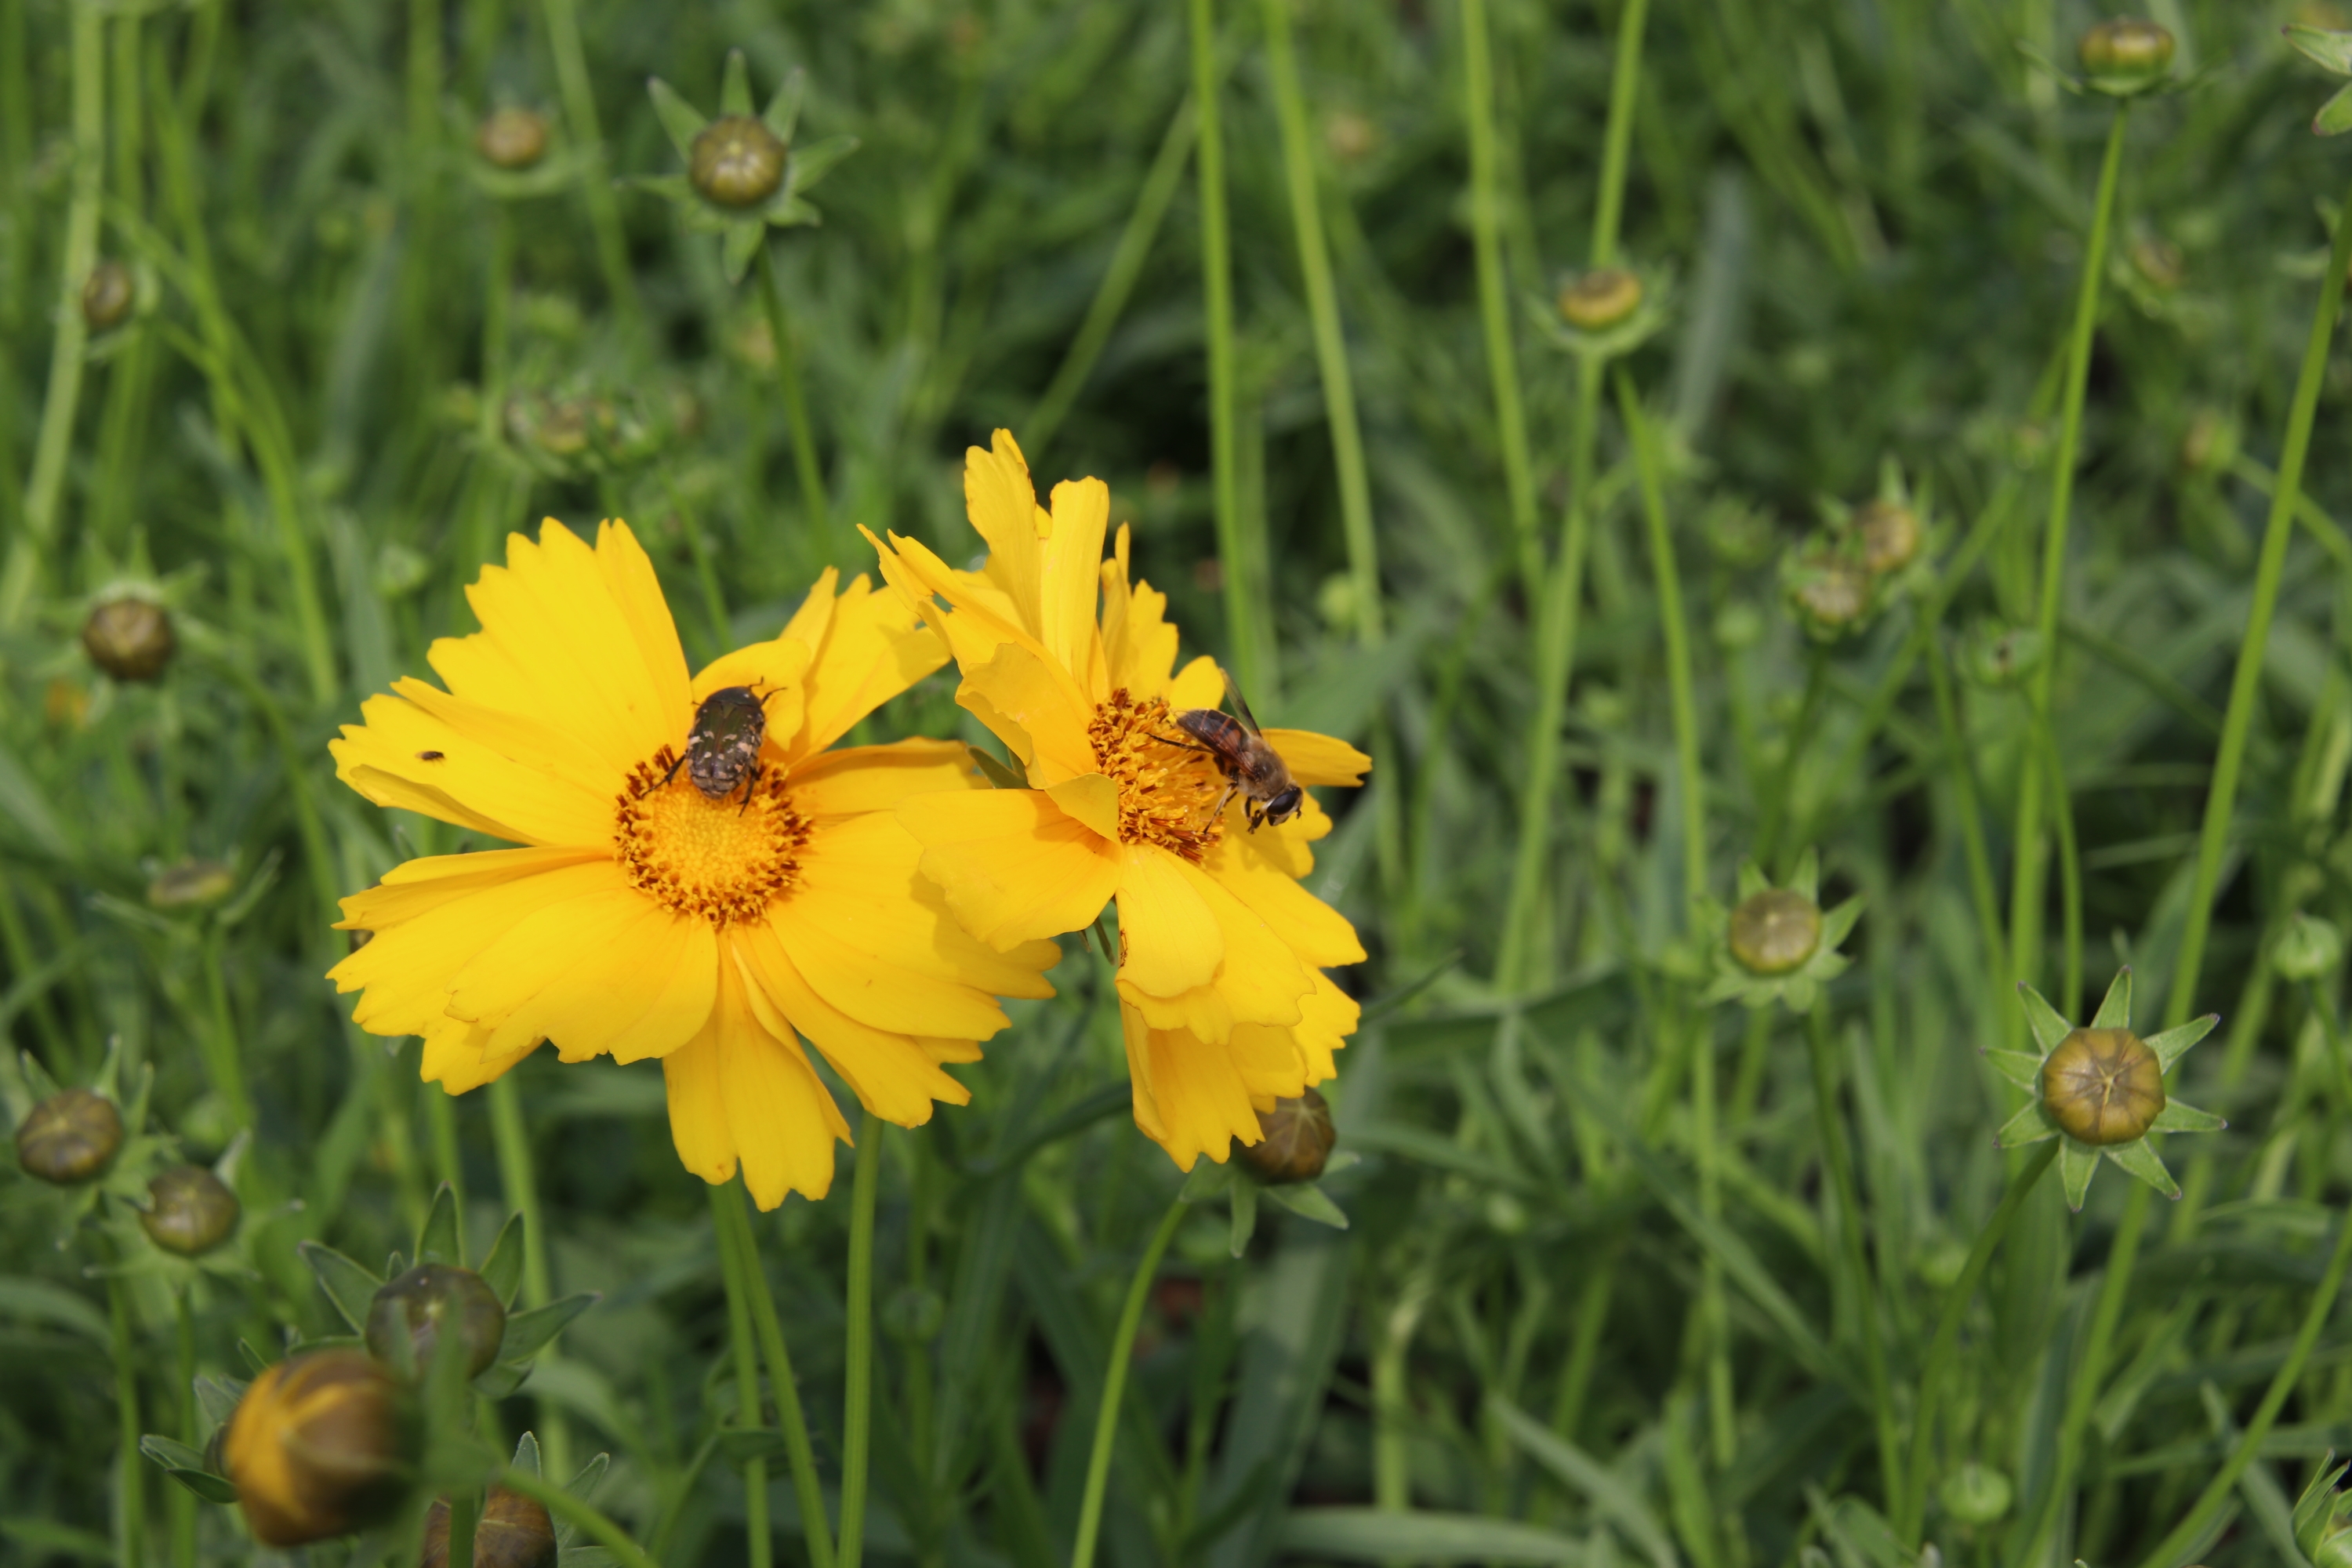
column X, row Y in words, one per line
column 526, row 1454
column 2075, row 1164
column 2329, row 51
column 2022, row 1068
column 2048, row 1028
column 502, row 1269
column 2177, row 1118
column 1309, row 1201
column 2172, row 1044
column 2115, row 1008
column 1245, row 1212
column 735, row 86
column 1394, row 1535
column 439, row 1241
column 680, row 120
column 2032, row 1124
column 2141, row 1161
column 2334, row 116
column 1611, row 1497
column 527, row 1332
column 348, row 1285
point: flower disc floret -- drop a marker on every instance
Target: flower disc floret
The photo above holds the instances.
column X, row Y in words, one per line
column 1168, row 794
column 718, row 860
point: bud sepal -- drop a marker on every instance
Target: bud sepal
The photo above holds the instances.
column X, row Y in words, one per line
column 2099, row 1088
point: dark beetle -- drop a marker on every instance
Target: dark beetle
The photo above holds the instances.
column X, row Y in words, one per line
column 722, row 749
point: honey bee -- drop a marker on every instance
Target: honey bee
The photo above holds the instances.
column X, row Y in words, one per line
column 1253, row 769
column 722, row 748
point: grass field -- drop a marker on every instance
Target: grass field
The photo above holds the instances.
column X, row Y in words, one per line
column 1821, row 514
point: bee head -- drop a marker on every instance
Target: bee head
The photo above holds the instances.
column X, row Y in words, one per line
column 1284, row 805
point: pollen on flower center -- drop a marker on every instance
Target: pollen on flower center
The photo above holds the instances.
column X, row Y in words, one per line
column 1169, row 791
column 722, row 859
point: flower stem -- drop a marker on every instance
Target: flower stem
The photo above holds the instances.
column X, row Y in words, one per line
column 1861, row 1292
column 799, row 1452
column 513, row 1147
column 1913, row 1509
column 1678, row 637
column 1793, row 751
column 1217, row 289
column 1494, row 309
column 2250, row 1442
column 596, row 183
column 1122, row 1350
column 2025, row 888
column 50, row 447
column 582, row 1517
column 726, row 1226
column 130, row 1476
column 2237, row 722
column 788, row 379
column 183, row 1501
column 465, row 1517
column 857, row 1397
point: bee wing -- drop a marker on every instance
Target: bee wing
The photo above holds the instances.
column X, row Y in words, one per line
column 1240, row 704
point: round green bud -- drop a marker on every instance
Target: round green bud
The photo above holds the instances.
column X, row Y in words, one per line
column 1976, row 1494
column 513, row 1531
column 2307, row 948
column 2158, row 262
column 1831, row 593
column 1295, row 1139
column 511, row 138
column 130, row 637
column 189, row 1211
column 106, row 296
column 1775, row 930
column 2104, row 1086
column 1999, row 656
column 2209, row 444
column 737, row 160
column 2125, row 55
column 68, row 1138
column 1600, row 299
column 425, row 1301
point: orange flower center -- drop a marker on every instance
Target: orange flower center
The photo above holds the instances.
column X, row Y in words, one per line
column 723, row 860
column 1169, row 789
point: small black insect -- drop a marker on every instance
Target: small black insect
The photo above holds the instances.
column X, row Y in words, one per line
column 428, row 756
column 722, row 749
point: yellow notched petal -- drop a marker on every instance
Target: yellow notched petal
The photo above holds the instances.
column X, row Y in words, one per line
column 1031, row 707
column 1012, row 864
column 1316, row 759
column 404, row 756
column 876, row 778
column 456, row 1057
column 1168, row 940
column 1092, row 798
column 1317, row 933
column 1002, row 501
column 1071, row 577
column 891, row 1075
column 875, row 647
column 1190, row 1098
column 739, row 1092
column 774, row 670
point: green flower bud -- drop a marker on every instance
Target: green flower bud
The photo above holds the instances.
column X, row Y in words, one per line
column 514, row 1532
column 130, row 637
column 2103, row 1086
column 106, row 296
column 2123, row 55
column 1831, row 591
column 1594, row 301
column 189, row 1211
column 322, row 1445
column 1349, row 135
column 430, row 1297
column 191, row 884
column 1774, row 931
column 1976, row 1494
column 1891, row 536
column 511, row 138
column 737, row 161
column 2209, row 444
column 1999, row 656
column 2307, row 948
column 68, row 1137
column 1295, row 1141
column 2158, row 262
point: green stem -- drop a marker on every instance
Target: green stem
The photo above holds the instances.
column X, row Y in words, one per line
column 857, row 1394
column 596, row 181
column 2026, row 878
column 1677, row 637
column 1863, row 1293
column 183, row 1501
column 725, row 1223
column 1122, row 1350
column 1323, row 309
column 1962, row 771
column 441, row 1115
column 2236, row 723
column 513, row 1146
column 465, row 1515
column 1713, row 1312
column 1151, row 203
column 1913, row 1510
column 813, row 505
column 1494, row 307
column 1617, row 140
column 799, row 1452
column 2069, row 863
column 1775, row 814
column 26, row 555
column 228, row 1073
column 2250, row 1442
column 130, row 1470
column 581, row 1516
column 1217, row 291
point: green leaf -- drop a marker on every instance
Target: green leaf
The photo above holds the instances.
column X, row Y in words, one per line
column 501, row 1379
column 1207, row 1181
column 815, row 161
column 502, row 1269
column 2115, row 1008
column 742, row 242
column 1838, row 924
column 2032, row 1124
column 439, row 1241
column 1396, row 1535
column 783, row 113
column 348, row 1285
column 2334, row 116
column 1611, row 1497
column 2022, row 1068
column 2076, row 1162
column 526, row 1454
column 1752, row 879
column 735, row 86
column 2177, row 1118
column 680, row 119
column 1309, row 1201
column 217, row 1397
column 527, row 1332
column 2048, row 1027
column 185, row 1466
column 2141, row 1161
column 2329, row 51
column 58, row 1540
column 1000, row 776
column 43, row 1302
column 1807, row 878
column 2173, row 1044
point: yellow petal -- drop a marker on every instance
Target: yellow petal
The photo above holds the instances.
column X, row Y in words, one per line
column 1033, row 709
column 647, row 992
column 1092, row 798
column 1312, row 929
column 779, row 1113
column 516, row 737
column 698, row 1106
column 774, row 670
column 890, row 1074
column 1261, row 981
column 1168, row 941
column 1002, row 501
column 1012, row 864
column 456, row 1058
column 1139, row 644
column 533, row 974
column 629, row 577
column 417, row 887
column 808, row 622
column 1327, row 1016
column 1199, row 1102
column 404, row 756
column 1316, row 759
column 1199, row 684
column 876, row 778
column 1070, row 578
column 874, row 648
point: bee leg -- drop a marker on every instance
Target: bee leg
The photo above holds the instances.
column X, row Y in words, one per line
column 673, row 771
column 750, row 785
column 1187, row 745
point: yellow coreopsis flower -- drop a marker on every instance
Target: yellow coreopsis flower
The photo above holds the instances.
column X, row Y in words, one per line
column 1223, row 998
column 643, row 917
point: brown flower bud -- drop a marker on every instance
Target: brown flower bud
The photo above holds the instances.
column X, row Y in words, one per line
column 511, row 138
column 1890, row 536
column 2104, row 1086
column 2160, row 262
column 130, row 637
column 188, row 1211
column 1295, row 1142
column 514, row 1532
column 1831, row 591
column 737, row 160
column 419, row 1304
column 68, row 1137
column 2124, row 53
column 320, row 1444
column 190, row 885
column 1598, row 299
column 106, row 296
column 1775, row 930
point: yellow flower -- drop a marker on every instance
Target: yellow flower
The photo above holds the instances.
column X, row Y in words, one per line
column 644, row 919
column 1224, row 1003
